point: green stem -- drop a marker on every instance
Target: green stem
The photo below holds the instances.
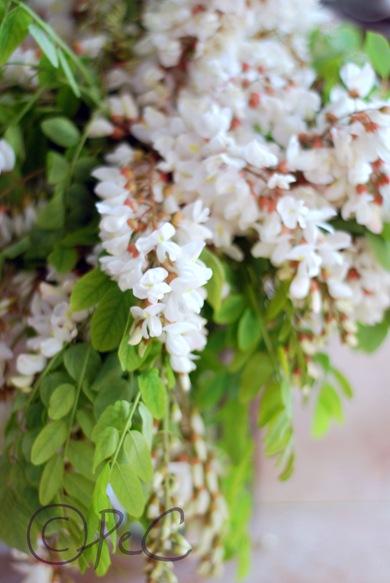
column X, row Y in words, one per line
column 166, row 429
column 126, row 429
column 31, row 102
column 264, row 331
column 43, row 375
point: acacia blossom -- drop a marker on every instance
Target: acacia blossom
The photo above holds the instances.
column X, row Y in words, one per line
column 153, row 247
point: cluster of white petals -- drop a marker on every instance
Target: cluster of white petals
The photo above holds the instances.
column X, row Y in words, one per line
column 232, row 111
column 242, row 135
column 54, row 325
column 153, row 247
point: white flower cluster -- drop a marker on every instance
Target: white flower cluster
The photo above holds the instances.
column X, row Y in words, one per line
column 54, row 325
column 153, row 247
column 231, row 109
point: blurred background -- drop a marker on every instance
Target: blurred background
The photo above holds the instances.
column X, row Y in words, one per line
column 373, row 14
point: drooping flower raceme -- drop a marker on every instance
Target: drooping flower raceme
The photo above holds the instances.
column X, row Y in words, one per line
column 153, row 247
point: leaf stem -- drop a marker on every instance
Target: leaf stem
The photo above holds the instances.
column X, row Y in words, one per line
column 126, row 429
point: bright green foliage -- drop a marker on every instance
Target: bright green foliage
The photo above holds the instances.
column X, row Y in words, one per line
column 109, row 319
column 61, row 131
column 328, row 407
column 153, row 393
column 377, row 48
column 61, row 401
column 89, row 290
column 216, row 283
column 51, row 479
column 13, row 30
column 48, row 441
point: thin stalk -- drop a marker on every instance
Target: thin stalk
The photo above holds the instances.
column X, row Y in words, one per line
column 126, row 429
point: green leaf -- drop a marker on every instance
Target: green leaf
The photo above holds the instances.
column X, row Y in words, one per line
column 147, row 424
column 378, row 50
column 57, row 168
column 63, row 259
column 271, row 404
column 69, row 74
column 278, row 436
column 119, row 390
column 51, row 479
column 230, row 310
column 115, row 415
column 79, row 487
column 80, row 455
column 257, row 372
column 61, row 131
column 81, row 361
column 13, row 30
column 344, row 383
column 51, row 217
column 381, row 249
column 328, row 407
column 49, row 384
column 128, row 489
column 138, row 455
column 249, row 330
column 279, row 301
column 15, row 494
column 89, row 290
column 288, row 469
column 106, row 444
column 86, row 421
column 61, row 401
column 48, row 441
column 370, row 338
column 215, row 285
column 153, row 393
column 99, row 497
column 128, row 355
column 109, row 319
column 386, row 232
column 44, row 43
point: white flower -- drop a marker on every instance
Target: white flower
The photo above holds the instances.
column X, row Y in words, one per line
column 152, row 285
column 7, row 157
column 160, row 240
column 100, row 127
column 309, row 266
column 282, row 181
column 258, row 155
column 122, row 155
column 358, row 80
column 123, row 106
column 293, row 212
column 149, row 318
column 30, row 364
